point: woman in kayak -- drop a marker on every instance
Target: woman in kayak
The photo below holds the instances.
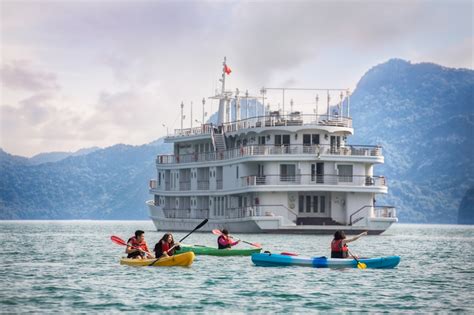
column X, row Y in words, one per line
column 166, row 246
column 137, row 247
column 339, row 247
column 224, row 241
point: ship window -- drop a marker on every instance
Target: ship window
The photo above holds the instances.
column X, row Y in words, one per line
column 306, row 139
column 300, row 203
column 345, row 173
column 308, row 203
column 277, row 139
column 315, row 204
column 237, row 172
column 322, row 201
column 286, row 139
column 314, row 139
column 159, row 179
column 287, row 172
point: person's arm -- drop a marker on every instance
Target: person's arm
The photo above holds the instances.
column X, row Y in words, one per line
column 130, row 249
column 234, row 243
column 147, row 251
column 348, row 240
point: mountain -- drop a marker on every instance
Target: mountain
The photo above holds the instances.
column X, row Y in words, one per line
column 58, row 156
column 108, row 183
column 466, row 209
column 422, row 115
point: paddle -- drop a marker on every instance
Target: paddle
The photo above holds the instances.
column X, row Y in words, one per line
column 360, row 265
column 219, row 232
column 196, row 228
column 119, row 241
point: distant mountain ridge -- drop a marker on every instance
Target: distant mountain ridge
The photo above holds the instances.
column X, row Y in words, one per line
column 58, row 156
column 422, row 115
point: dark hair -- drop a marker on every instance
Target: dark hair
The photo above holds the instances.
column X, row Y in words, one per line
column 165, row 238
column 225, row 232
column 138, row 233
column 339, row 235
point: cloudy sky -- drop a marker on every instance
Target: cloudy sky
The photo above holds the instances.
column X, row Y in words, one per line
column 77, row 74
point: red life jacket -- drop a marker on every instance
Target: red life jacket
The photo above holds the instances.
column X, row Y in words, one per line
column 135, row 244
column 337, row 250
column 162, row 247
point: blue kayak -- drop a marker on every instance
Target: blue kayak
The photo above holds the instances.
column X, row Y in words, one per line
column 267, row 259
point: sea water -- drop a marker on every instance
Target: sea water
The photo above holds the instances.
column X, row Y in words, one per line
column 72, row 266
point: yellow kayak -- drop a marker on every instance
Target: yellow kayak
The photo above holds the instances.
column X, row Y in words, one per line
column 185, row 259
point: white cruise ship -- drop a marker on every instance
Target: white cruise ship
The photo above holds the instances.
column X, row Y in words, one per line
column 271, row 170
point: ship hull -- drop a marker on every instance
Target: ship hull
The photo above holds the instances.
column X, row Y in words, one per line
column 260, row 224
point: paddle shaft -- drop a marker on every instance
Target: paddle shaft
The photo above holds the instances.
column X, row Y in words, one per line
column 218, row 232
column 359, row 264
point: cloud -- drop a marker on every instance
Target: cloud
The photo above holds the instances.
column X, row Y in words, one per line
column 117, row 70
column 20, row 74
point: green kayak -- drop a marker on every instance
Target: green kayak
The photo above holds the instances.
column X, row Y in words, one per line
column 206, row 250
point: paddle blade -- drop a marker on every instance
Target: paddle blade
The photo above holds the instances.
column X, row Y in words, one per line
column 361, row 265
column 196, row 228
column 289, row 254
column 216, row 232
column 118, row 240
column 201, row 225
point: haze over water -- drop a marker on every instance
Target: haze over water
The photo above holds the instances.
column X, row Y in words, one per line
column 72, row 266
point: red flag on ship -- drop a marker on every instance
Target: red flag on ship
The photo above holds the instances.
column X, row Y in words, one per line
column 227, row 70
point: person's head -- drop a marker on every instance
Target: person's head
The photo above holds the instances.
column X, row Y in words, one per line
column 225, row 232
column 339, row 235
column 139, row 235
column 168, row 238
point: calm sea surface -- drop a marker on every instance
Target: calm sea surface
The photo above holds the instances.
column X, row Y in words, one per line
column 72, row 266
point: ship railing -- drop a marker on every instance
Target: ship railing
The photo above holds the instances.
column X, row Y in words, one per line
column 261, row 210
column 171, row 213
column 185, row 185
column 313, row 179
column 153, row 184
column 200, row 130
column 385, row 212
column 203, row 184
column 372, row 211
column 276, row 120
column 257, row 149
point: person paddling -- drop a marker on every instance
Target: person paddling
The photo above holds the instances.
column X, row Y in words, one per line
column 224, row 241
column 339, row 247
column 166, row 246
column 137, row 247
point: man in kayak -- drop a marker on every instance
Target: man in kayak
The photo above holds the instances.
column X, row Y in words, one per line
column 137, row 247
column 224, row 241
column 166, row 246
column 339, row 247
